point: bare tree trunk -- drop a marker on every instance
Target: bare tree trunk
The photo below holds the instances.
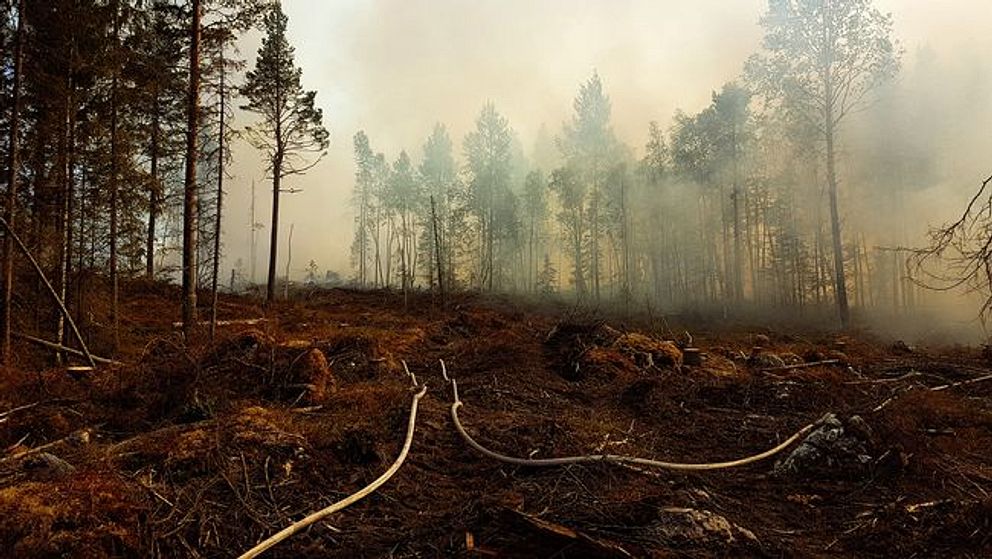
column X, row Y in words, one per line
column 363, row 237
column 220, row 201
column 289, row 261
column 594, row 220
column 190, row 202
column 270, row 288
column 625, row 246
column 840, row 285
column 68, row 205
column 153, row 196
column 738, row 260
column 114, row 195
column 253, row 242
column 12, row 167
column 378, row 255
column 437, row 251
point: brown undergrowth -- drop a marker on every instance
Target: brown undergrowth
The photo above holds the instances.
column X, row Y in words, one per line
column 204, row 450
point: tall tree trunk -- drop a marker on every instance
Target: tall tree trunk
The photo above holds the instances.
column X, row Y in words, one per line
column 190, row 202
column 437, row 251
column 594, row 219
column 154, row 193
column 253, row 242
column 289, row 262
column 13, row 164
column 270, row 288
column 114, row 196
column 68, row 204
column 362, row 236
column 840, row 285
column 220, row 201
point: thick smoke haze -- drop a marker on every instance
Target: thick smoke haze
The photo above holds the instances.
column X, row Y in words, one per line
column 394, row 68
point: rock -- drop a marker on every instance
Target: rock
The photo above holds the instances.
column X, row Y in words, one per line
column 761, row 340
column 831, row 449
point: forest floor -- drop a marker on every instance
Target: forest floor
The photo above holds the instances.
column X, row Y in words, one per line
column 204, row 451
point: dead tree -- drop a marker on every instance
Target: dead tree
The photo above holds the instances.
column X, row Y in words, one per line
column 960, row 253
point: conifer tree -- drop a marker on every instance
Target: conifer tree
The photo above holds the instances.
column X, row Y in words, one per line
column 290, row 127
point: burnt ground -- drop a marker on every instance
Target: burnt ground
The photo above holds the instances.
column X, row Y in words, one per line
column 204, row 451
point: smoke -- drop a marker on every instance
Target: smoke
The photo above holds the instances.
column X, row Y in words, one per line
column 396, row 67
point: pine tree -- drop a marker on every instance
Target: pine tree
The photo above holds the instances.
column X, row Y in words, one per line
column 290, row 127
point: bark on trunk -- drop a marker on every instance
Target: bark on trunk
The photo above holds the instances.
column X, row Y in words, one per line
column 270, row 288
column 840, row 285
column 190, row 202
column 12, row 167
column 220, row 203
column 153, row 195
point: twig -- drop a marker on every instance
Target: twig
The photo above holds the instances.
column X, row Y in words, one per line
column 18, row 408
column 63, row 348
column 801, row 365
column 961, row 383
column 890, row 399
column 908, row 375
column 82, row 436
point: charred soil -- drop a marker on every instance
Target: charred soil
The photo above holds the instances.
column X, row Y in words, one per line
column 204, row 450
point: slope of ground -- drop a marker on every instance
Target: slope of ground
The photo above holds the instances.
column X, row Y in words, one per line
column 204, row 451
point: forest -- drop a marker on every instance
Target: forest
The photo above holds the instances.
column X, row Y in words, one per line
column 752, row 328
column 733, row 209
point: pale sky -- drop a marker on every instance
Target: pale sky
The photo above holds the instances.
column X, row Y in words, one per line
column 395, row 67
